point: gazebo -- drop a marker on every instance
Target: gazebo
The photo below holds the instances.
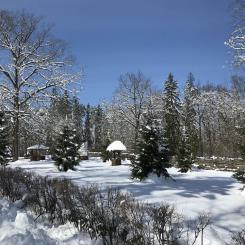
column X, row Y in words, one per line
column 37, row 152
column 116, row 148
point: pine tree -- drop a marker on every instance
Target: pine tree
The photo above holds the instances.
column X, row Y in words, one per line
column 87, row 133
column 59, row 112
column 78, row 113
column 153, row 156
column 189, row 114
column 66, row 154
column 172, row 114
column 105, row 155
column 3, row 139
column 98, row 137
column 184, row 155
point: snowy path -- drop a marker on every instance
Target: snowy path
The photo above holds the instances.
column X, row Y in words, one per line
column 196, row 192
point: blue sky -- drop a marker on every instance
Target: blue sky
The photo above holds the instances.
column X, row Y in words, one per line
column 112, row 37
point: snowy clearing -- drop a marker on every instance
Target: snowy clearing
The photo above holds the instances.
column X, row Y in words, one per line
column 199, row 191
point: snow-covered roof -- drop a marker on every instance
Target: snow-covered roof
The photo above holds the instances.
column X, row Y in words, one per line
column 38, row 147
column 116, row 146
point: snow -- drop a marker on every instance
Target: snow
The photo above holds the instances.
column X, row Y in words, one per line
column 209, row 191
column 116, row 146
column 37, row 147
column 19, row 227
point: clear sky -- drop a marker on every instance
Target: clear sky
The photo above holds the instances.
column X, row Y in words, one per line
column 112, row 37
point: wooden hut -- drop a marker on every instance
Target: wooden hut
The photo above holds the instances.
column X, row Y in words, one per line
column 116, row 148
column 37, row 152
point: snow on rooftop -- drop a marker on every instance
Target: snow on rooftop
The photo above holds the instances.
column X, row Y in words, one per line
column 116, row 146
column 38, row 147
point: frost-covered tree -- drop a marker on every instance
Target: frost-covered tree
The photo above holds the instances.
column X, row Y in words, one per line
column 237, row 38
column 32, row 63
column 171, row 114
column 4, row 139
column 66, row 153
column 153, row 154
column 189, row 113
column 130, row 100
column 98, row 128
column 219, row 114
column 117, row 127
column 78, row 114
column 88, row 127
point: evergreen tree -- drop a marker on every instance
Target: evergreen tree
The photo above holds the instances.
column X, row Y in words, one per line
column 98, row 123
column 189, row 114
column 66, row 154
column 184, row 155
column 153, row 155
column 59, row 112
column 3, row 139
column 87, row 130
column 171, row 114
column 78, row 113
column 105, row 155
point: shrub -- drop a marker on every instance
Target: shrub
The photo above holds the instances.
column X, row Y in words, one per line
column 111, row 216
column 238, row 238
column 240, row 176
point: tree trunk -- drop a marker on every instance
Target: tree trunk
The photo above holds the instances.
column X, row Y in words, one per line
column 16, row 139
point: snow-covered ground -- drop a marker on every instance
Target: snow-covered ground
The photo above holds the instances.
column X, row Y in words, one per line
column 17, row 227
column 196, row 192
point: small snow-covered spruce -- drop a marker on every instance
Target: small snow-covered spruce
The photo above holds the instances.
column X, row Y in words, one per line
column 66, row 155
column 153, row 156
column 3, row 139
column 184, row 154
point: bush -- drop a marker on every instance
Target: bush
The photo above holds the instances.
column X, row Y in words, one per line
column 240, row 176
column 111, row 216
column 238, row 238
column 167, row 224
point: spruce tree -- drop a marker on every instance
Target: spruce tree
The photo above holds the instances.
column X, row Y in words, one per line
column 184, row 154
column 189, row 114
column 78, row 113
column 87, row 130
column 105, row 155
column 3, row 139
column 153, row 155
column 171, row 114
column 98, row 122
column 66, row 154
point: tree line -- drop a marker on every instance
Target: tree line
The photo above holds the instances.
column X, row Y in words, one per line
column 38, row 78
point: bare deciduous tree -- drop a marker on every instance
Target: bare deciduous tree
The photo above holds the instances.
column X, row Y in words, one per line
column 32, row 62
column 237, row 38
column 131, row 99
